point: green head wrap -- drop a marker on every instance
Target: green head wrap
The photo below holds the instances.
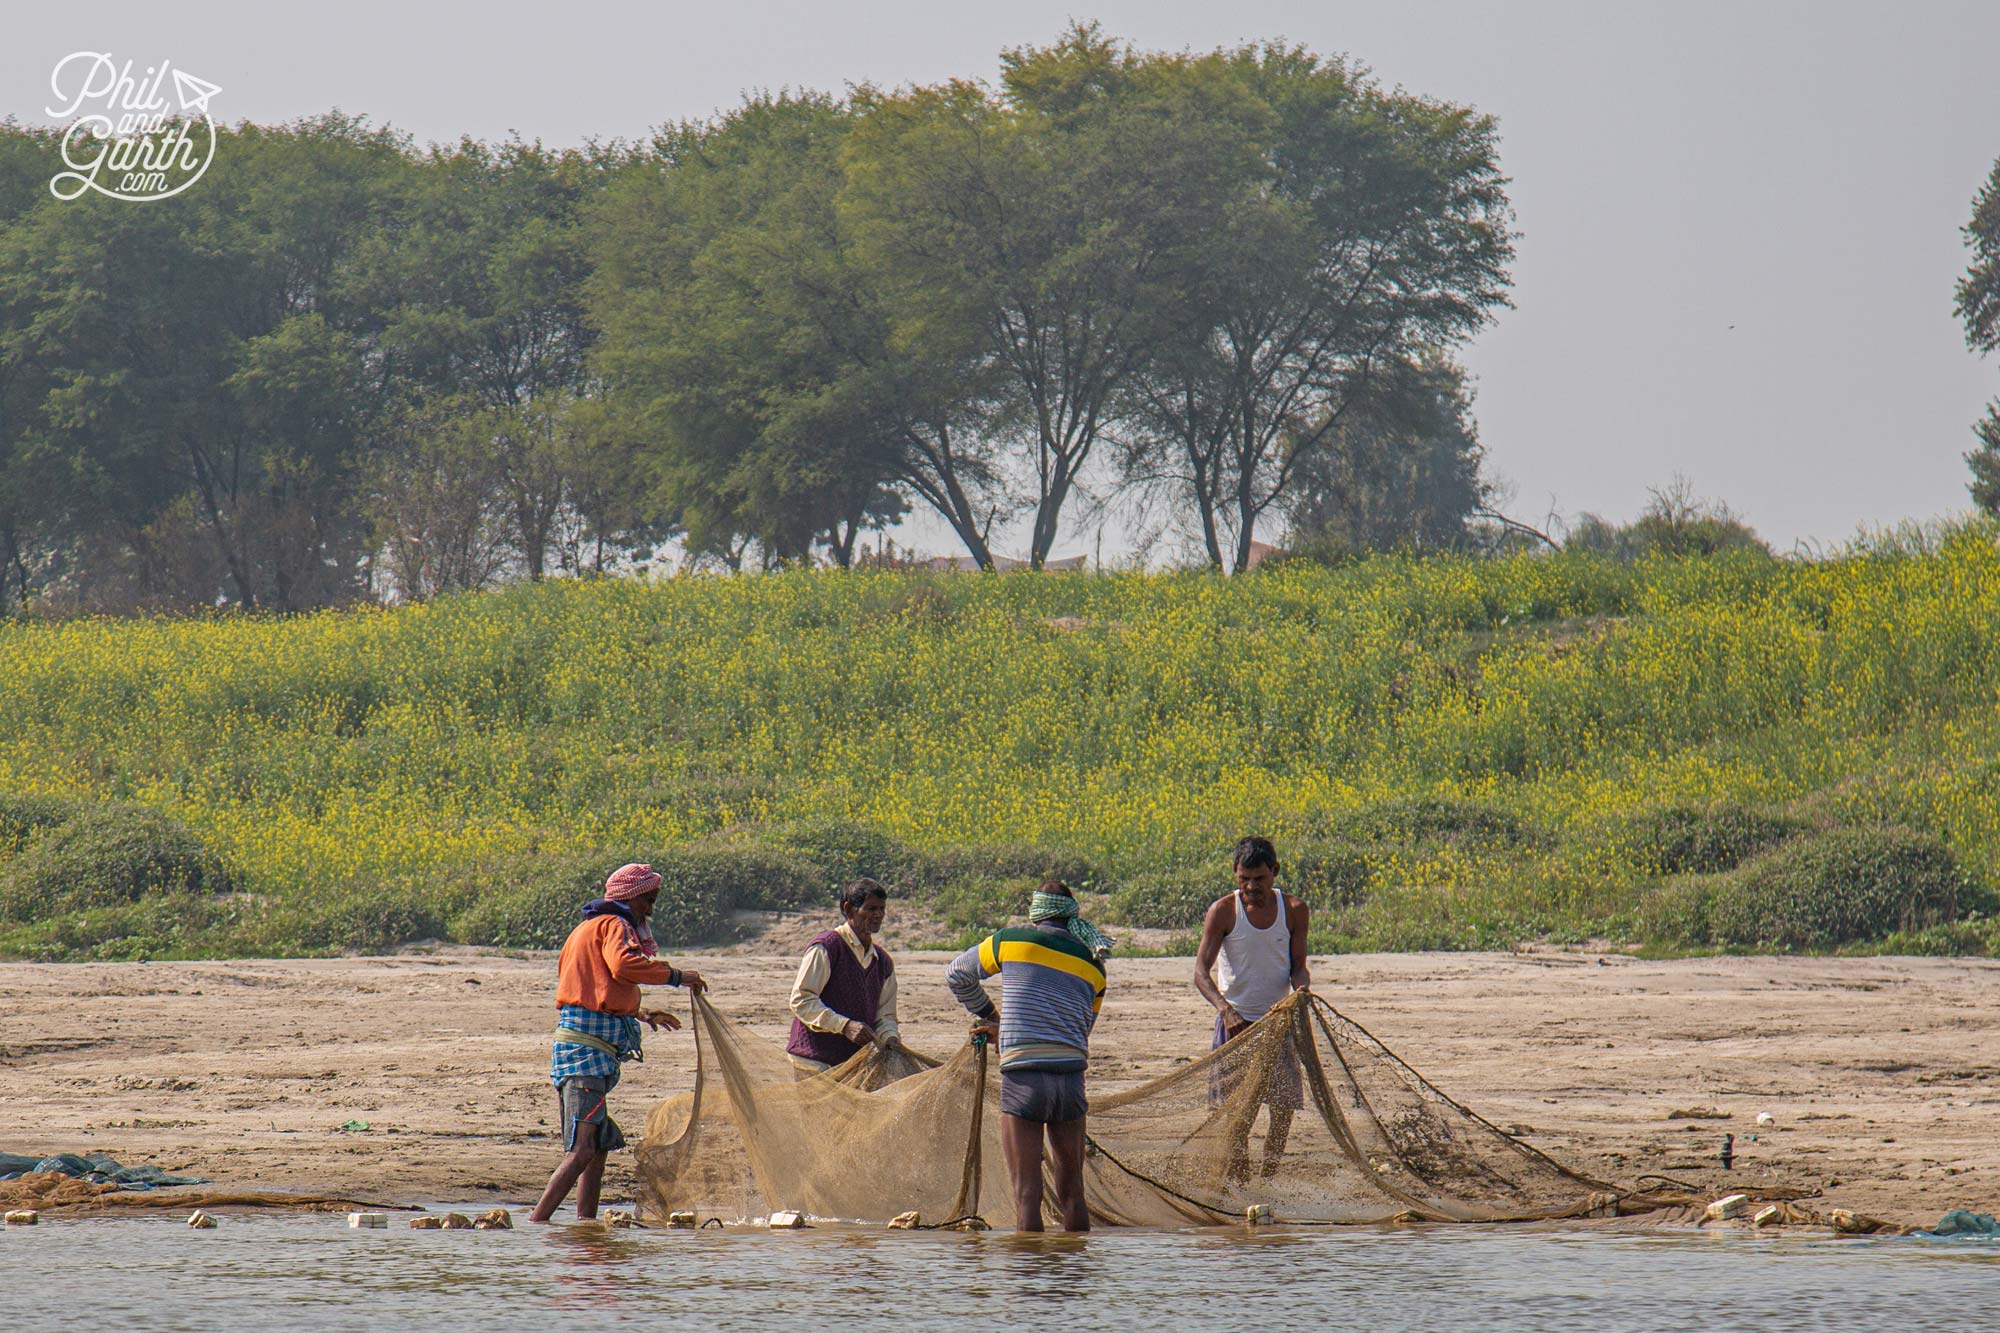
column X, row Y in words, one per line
column 1062, row 907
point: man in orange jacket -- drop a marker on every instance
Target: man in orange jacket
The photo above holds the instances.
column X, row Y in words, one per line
column 604, row 962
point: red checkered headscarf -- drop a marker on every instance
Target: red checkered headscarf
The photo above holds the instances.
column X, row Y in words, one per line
column 631, row 881
column 635, row 881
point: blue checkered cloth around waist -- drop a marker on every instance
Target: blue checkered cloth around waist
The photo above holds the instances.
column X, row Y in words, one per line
column 572, row 1059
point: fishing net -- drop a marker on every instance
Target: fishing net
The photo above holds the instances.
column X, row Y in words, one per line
column 1304, row 1113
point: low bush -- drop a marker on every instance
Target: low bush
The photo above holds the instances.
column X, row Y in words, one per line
column 1018, row 865
column 172, row 926
column 1822, row 891
column 1677, row 912
column 113, row 852
column 1171, row 899
column 535, row 901
column 368, row 923
column 532, row 902
column 738, row 875
column 1432, row 821
column 1329, row 874
column 1977, row 936
column 843, row 851
column 1680, row 840
column 23, row 816
column 981, row 905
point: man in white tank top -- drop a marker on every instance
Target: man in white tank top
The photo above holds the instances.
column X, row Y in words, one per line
column 1258, row 936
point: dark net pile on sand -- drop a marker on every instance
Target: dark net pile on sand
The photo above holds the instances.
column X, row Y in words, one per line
column 55, row 1193
column 888, row 1133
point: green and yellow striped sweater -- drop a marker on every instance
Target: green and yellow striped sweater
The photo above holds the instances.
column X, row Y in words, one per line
column 1051, row 988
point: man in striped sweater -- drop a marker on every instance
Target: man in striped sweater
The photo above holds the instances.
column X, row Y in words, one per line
column 1051, row 988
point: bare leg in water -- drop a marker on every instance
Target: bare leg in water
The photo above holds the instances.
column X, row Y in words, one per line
column 583, row 1167
column 1021, row 1145
column 1021, row 1142
column 1066, row 1157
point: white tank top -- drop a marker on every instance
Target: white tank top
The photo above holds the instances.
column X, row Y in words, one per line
column 1255, row 970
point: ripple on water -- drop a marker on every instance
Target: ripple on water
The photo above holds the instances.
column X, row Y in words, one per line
column 315, row 1272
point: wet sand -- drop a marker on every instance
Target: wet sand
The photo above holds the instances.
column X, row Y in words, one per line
column 1883, row 1073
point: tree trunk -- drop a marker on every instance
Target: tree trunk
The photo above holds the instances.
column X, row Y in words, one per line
column 1049, row 512
column 840, row 541
column 953, row 505
column 10, row 560
column 1246, row 519
column 531, row 525
column 1204, row 500
column 239, row 572
column 1067, row 456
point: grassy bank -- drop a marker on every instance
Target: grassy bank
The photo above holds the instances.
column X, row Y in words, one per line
column 1729, row 752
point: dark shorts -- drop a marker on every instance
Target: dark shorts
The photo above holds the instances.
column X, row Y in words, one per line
column 1286, row 1090
column 1050, row 1096
column 583, row 1103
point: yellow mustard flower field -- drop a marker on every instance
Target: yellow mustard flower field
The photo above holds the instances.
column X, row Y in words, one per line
column 1726, row 752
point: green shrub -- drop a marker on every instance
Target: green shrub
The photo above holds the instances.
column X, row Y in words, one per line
column 23, row 816
column 1328, row 874
column 982, row 905
column 1432, row 820
column 535, row 901
column 845, row 851
column 1173, row 899
column 1839, row 887
column 1019, row 865
column 175, row 926
column 1678, row 912
column 1977, row 936
column 1680, row 840
column 740, row 875
column 371, row 922
column 115, row 852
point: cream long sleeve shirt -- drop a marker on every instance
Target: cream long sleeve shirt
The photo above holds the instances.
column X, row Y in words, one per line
column 814, row 969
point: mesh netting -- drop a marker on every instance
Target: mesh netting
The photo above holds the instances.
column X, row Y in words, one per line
column 1304, row 1112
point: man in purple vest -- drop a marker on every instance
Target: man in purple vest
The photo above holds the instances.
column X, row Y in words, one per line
column 845, row 994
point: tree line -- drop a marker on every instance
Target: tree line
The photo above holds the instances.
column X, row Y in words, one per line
column 1222, row 287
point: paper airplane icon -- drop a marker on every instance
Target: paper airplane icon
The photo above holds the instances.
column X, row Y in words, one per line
column 194, row 93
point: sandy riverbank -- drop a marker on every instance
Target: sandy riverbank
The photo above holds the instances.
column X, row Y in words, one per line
column 1884, row 1074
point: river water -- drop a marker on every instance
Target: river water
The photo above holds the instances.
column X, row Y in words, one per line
column 264, row 1272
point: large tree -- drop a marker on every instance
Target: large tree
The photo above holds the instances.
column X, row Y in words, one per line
column 197, row 379
column 739, row 328
column 1979, row 307
column 25, row 158
column 434, row 501
column 806, row 317
column 1402, row 473
column 1375, row 235
column 1048, row 224
column 476, row 281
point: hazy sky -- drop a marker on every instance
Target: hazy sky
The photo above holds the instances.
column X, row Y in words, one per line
column 1799, row 172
